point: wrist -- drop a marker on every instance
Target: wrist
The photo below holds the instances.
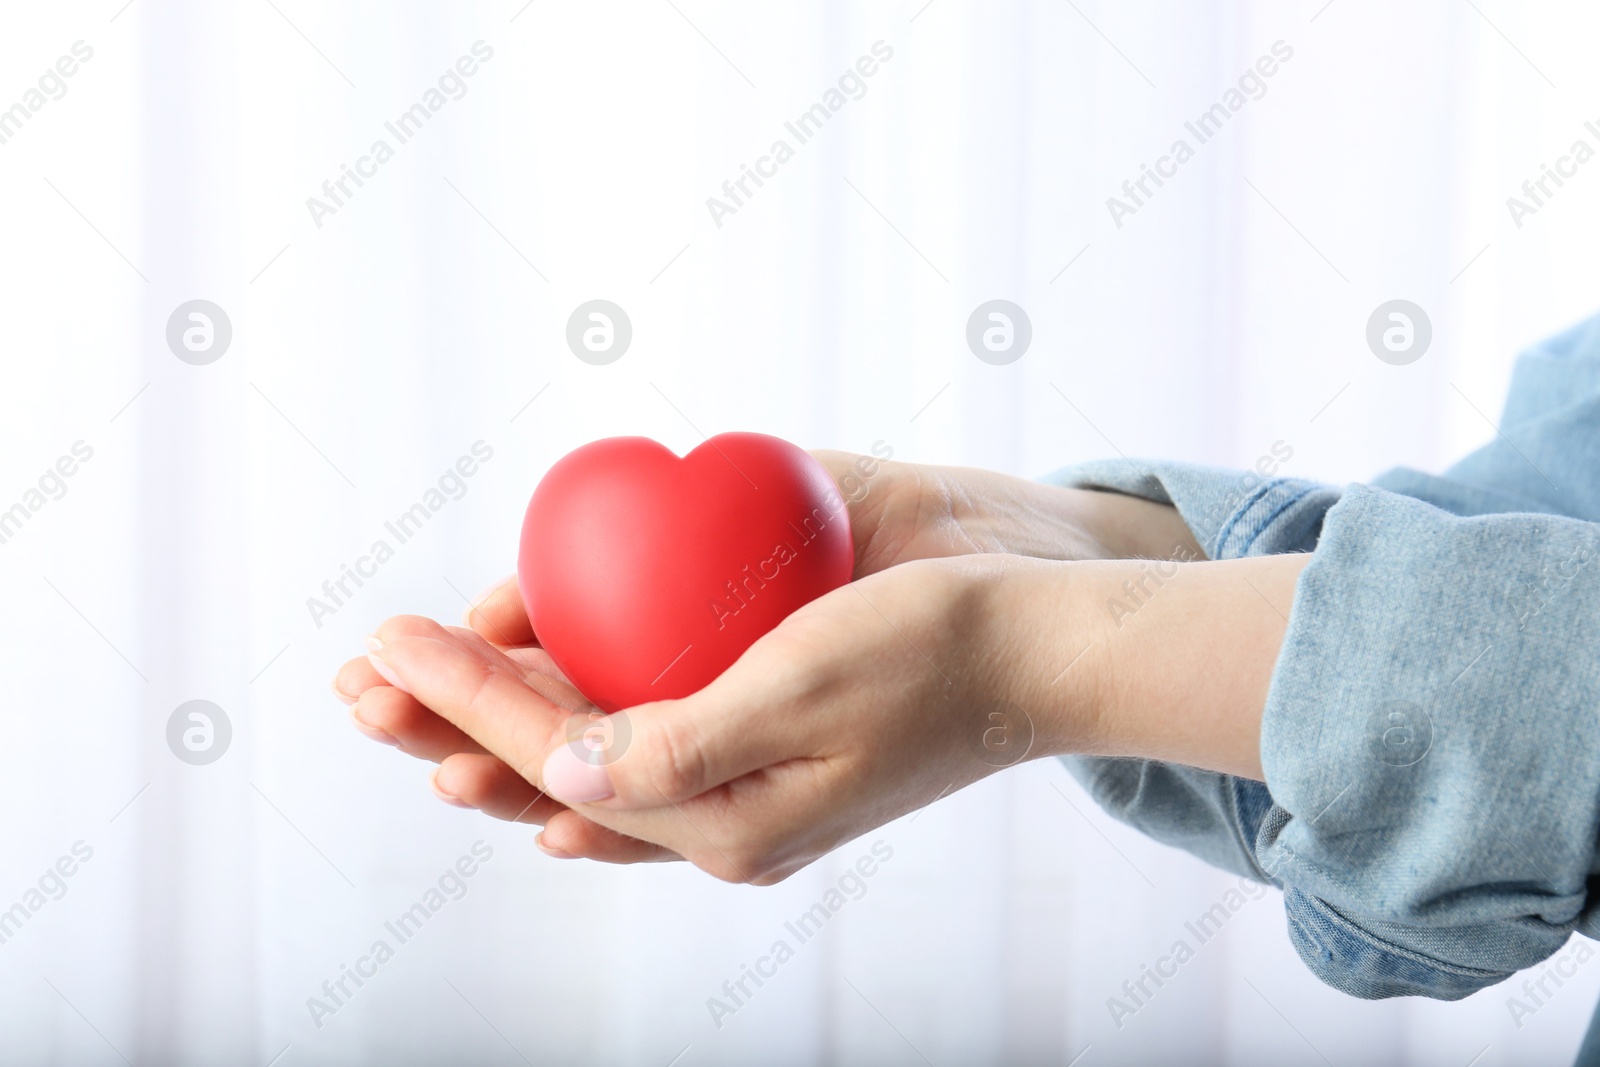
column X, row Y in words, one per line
column 1139, row 658
column 1045, row 638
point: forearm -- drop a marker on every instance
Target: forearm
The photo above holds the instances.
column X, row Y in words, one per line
column 1166, row 661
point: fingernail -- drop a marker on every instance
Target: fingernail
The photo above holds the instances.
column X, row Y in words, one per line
column 475, row 604
column 551, row 850
column 370, row 731
column 374, row 646
column 438, row 791
column 344, row 698
column 567, row 777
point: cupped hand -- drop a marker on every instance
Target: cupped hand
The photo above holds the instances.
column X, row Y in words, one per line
column 389, row 715
column 863, row 705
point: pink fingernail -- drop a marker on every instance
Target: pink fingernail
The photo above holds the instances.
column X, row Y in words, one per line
column 568, row 777
column 438, row 791
column 386, row 672
column 369, row 731
column 552, row 851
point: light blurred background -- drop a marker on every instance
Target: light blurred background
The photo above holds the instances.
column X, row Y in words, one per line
column 429, row 313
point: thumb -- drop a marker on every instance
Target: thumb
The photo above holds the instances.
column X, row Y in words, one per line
column 667, row 752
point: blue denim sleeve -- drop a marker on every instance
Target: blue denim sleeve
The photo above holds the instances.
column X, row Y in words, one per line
column 1430, row 739
column 1547, row 452
column 1232, row 514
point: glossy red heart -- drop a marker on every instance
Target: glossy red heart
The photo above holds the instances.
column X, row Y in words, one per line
column 645, row 575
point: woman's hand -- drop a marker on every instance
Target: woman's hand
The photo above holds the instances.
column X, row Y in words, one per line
column 865, row 704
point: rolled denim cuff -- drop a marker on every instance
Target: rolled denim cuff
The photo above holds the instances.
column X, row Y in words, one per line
column 1232, row 513
column 1429, row 743
column 1209, row 815
column 1430, row 740
column 1353, row 958
column 1545, row 454
column 1432, row 801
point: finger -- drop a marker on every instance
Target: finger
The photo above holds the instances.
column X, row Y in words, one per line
column 499, row 615
column 470, row 780
column 488, row 785
column 569, row 835
column 531, row 734
column 359, row 675
column 526, row 663
column 494, row 706
column 668, row 752
column 355, row 678
column 551, row 683
column 394, row 717
column 534, row 658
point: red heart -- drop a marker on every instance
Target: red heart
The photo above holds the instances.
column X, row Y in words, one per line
column 645, row 576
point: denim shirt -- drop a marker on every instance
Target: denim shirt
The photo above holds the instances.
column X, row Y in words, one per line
column 1431, row 738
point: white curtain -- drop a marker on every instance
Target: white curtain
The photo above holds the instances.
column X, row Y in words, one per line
column 379, row 337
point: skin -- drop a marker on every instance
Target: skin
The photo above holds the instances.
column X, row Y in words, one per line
column 974, row 594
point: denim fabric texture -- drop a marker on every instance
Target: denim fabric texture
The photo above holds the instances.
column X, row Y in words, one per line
column 1431, row 739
